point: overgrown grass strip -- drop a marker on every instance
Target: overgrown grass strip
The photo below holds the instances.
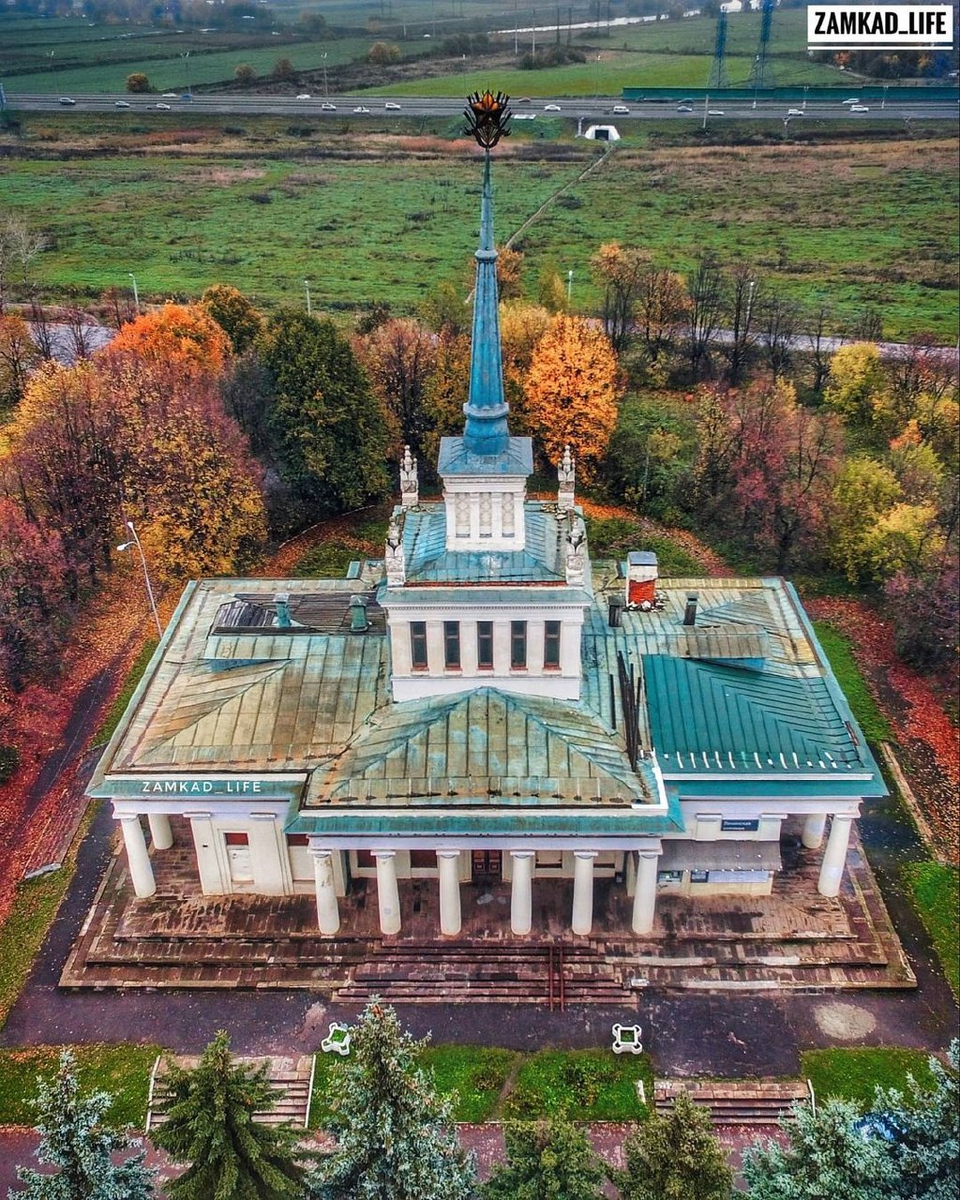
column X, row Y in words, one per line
column 854, row 1072
column 935, row 891
column 839, row 651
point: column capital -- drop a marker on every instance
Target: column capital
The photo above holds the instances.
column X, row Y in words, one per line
column 320, row 852
column 384, row 853
column 448, row 854
column 646, row 852
column 584, row 854
column 522, row 854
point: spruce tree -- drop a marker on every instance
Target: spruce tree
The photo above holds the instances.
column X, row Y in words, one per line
column 74, row 1138
column 395, row 1136
column 927, row 1149
column 546, row 1160
column 675, row 1157
column 827, row 1158
column 209, row 1123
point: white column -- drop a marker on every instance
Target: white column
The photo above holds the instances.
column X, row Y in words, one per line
column 645, row 895
column 328, row 911
column 521, row 892
column 835, row 855
column 388, row 894
column 583, row 891
column 448, row 864
column 813, row 827
column 160, row 832
column 138, row 860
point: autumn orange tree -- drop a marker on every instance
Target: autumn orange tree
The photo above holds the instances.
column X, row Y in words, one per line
column 521, row 328
column 32, row 605
column 571, row 392
column 177, row 333
column 446, row 394
column 18, row 356
column 399, row 358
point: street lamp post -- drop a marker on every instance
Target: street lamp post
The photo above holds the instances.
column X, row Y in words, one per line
column 806, row 88
column 306, row 284
column 323, row 59
column 135, row 541
column 136, row 294
column 186, row 69
column 569, row 285
column 883, row 102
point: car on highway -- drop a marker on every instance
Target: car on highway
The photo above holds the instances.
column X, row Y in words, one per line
column 551, row 108
column 524, row 116
column 855, row 100
column 328, row 107
column 361, row 109
column 392, row 106
column 169, row 95
column 162, row 105
column 121, row 104
column 684, row 108
column 715, row 112
column 67, row 101
column 859, row 108
column 621, row 110
column 304, row 96
column 795, row 112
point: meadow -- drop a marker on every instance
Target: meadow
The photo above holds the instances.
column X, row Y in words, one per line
column 383, row 218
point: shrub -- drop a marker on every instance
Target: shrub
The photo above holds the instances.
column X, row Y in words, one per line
column 9, row 762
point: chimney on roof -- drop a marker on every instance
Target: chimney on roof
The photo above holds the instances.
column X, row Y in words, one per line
column 282, row 602
column 690, row 612
column 642, row 576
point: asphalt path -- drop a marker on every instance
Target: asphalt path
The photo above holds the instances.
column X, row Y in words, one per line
column 367, row 107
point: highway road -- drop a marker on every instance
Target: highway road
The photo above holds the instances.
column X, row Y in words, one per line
column 366, row 107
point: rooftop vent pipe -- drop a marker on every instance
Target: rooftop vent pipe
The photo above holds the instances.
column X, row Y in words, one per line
column 690, row 612
column 282, row 602
column 358, row 614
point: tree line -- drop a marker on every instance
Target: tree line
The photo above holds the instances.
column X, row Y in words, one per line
column 394, row 1139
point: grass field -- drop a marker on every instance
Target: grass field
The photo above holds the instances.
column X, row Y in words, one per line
column 934, row 889
column 838, row 650
column 383, row 218
column 853, row 1073
column 122, row 1070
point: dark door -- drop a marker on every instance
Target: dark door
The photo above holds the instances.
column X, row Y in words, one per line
column 487, row 866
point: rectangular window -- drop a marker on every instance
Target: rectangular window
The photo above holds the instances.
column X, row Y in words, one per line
column 699, row 876
column 236, row 839
column 451, row 644
column 485, row 645
column 518, row 645
column 551, row 645
column 423, row 860
column 418, row 645
column 298, row 839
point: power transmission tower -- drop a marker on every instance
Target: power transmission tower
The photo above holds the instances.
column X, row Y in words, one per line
column 762, row 73
column 718, row 72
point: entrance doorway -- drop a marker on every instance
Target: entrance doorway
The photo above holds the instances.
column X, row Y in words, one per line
column 238, row 856
column 487, row 866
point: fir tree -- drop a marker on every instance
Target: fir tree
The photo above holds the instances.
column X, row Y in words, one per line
column 546, row 1160
column 675, row 1157
column 826, row 1159
column 209, row 1123
column 928, row 1128
column 395, row 1136
column 74, row 1138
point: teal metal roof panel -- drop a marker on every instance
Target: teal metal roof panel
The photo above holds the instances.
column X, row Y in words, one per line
column 457, row 459
column 429, row 561
column 716, row 718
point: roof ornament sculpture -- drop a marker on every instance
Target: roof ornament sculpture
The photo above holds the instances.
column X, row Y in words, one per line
column 488, row 118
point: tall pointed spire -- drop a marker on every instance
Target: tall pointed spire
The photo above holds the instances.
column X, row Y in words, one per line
column 485, row 432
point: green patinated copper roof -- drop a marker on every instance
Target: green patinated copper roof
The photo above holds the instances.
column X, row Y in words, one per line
column 480, row 744
column 429, row 561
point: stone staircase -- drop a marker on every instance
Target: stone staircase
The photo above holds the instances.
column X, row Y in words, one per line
column 736, row 1101
column 293, row 1077
column 503, row 972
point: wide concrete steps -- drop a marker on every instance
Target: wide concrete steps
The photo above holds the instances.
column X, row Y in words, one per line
column 429, row 973
column 289, row 1076
column 733, row 1102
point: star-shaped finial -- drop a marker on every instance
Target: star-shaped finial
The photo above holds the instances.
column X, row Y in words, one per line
column 488, row 118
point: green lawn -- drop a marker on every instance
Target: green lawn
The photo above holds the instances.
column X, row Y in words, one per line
column 586, row 1085
column 935, row 891
column 853, row 1073
column 122, row 1070
column 837, row 649
column 583, row 1085
column 184, row 208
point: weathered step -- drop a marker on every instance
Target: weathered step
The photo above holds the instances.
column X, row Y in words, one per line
column 734, row 1102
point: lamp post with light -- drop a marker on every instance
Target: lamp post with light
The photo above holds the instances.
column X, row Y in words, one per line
column 136, row 294
column 306, row 285
column 135, row 541
column 569, row 285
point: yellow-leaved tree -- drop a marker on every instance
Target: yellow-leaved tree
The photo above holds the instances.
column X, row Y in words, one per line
column 572, row 392
column 177, row 333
